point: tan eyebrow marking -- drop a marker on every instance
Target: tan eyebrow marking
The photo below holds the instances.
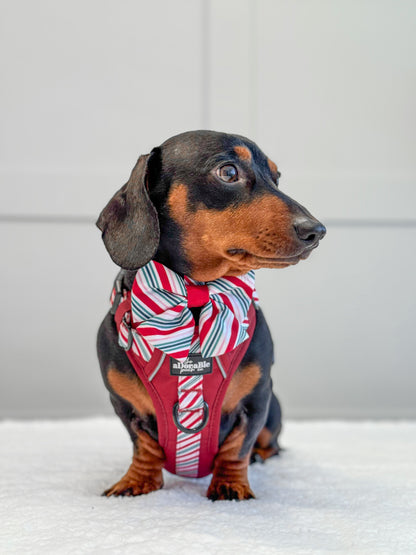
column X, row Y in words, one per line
column 243, row 153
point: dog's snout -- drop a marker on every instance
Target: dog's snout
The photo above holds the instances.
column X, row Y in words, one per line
column 310, row 231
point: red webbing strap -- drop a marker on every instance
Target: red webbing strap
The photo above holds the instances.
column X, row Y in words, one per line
column 123, row 309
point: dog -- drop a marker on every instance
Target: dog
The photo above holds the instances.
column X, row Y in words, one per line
column 204, row 208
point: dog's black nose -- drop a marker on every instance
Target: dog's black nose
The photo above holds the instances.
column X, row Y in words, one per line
column 310, row 231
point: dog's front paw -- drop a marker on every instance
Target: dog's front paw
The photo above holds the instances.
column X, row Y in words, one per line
column 128, row 487
column 219, row 490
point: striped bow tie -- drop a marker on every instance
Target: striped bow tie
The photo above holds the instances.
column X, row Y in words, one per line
column 162, row 319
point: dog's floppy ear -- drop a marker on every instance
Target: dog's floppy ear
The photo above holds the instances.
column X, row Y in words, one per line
column 129, row 223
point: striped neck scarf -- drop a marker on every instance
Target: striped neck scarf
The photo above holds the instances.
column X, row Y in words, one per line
column 162, row 319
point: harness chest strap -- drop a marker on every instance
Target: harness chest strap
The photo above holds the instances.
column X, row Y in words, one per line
column 188, row 407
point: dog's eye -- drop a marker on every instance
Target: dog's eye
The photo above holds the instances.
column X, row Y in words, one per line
column 228, row 173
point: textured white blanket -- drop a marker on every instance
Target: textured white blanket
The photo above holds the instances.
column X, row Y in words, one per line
column 337, row 488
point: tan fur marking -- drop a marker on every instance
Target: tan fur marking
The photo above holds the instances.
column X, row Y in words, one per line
column 145, row 472
column 272, row 166
column 208, row 234
column 229, row 475
column 241, row 384
column 132, row 390
column 178, row 202
column 262, row 446
column 264, row 438
column 243, row 153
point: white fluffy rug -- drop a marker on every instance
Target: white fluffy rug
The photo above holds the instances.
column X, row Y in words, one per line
column 337, row 488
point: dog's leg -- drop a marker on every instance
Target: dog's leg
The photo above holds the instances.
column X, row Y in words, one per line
column 267, row 445
column 229, row 480
column 134, row 407
column 145, row 472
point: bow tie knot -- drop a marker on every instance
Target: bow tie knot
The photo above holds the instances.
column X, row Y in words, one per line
column 198, row 295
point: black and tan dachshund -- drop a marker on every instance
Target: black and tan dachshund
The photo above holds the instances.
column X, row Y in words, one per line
column 205, row 205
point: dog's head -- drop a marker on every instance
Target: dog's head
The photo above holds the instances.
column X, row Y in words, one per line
column 207, row 204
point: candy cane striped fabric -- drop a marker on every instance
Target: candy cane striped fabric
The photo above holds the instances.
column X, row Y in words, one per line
column 190, row 415
column 162, row 319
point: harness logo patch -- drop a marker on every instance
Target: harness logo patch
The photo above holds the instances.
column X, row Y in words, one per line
column 194, row 365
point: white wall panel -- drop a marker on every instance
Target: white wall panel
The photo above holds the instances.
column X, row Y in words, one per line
column 336, row 104
column 86, row 88
column 327, row 91
column 344, row 323
column 56, row 289
column 232, row 66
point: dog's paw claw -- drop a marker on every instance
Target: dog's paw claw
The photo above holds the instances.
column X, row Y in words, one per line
column 219, row 491
column 130, row 489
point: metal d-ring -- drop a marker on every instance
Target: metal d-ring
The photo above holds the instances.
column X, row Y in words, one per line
column 129, row 334
column 118, row 287
column 190, row 430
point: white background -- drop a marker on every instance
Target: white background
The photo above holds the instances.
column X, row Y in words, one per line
column 327, row 90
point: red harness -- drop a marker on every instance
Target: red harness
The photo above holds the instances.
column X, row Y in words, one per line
column 189, row 451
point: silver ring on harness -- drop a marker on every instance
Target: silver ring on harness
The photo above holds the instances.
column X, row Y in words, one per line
column 190, row 430
column 130, row 334
column 118, row 288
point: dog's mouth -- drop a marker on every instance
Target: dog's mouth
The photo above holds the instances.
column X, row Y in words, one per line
column 260, row 261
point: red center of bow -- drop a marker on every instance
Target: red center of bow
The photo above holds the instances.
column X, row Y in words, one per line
column 198, row 295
